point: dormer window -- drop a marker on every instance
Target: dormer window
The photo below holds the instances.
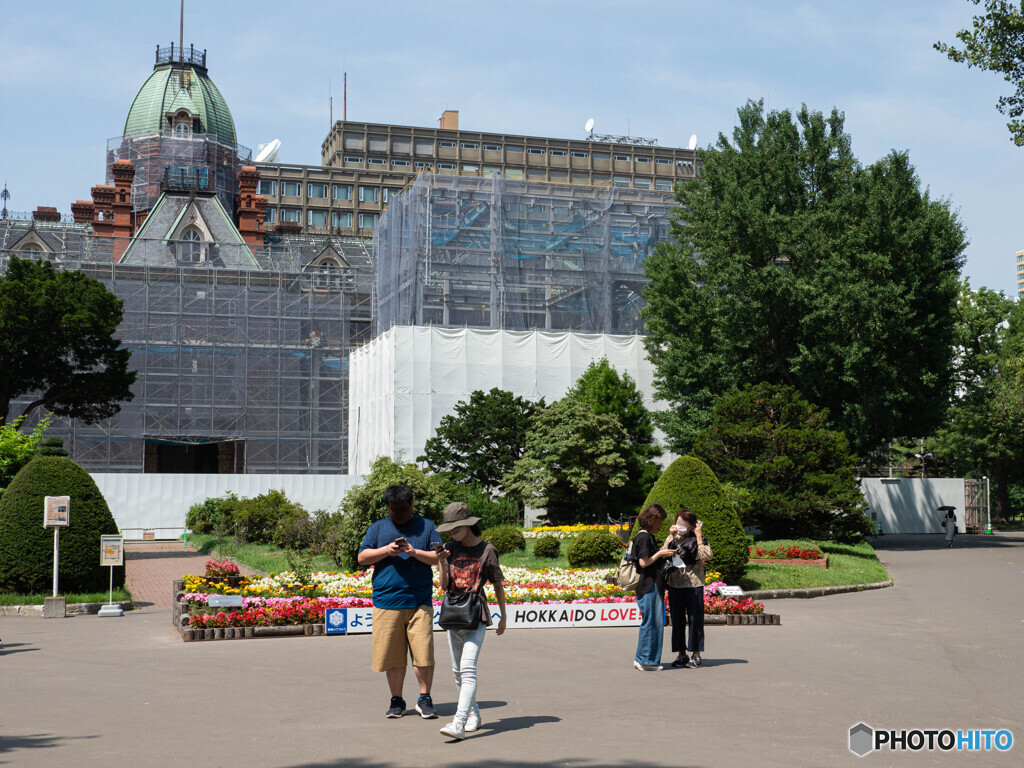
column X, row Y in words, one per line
column 190, row 247
column 182, row 131
column 32, row 250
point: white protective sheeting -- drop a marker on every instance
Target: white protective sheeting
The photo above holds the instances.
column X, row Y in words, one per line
column 404, row 381
column 910, row 505
column 159, row 502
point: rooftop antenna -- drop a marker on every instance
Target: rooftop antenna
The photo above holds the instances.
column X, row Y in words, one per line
column 181, row 34
column 344, row 98
column 330, row 103
column 589, row 127
column 693, row 142
column 5, row 196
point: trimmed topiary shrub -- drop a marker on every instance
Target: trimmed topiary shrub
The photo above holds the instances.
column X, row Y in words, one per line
column 505, row 538
column 26, row 548
column 547, row 546
column 689, row 482
column 593, row 548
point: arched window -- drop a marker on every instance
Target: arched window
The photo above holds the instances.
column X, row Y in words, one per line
column 182, row 131
column 190, row 247
column 33, row 249
column 327, row 275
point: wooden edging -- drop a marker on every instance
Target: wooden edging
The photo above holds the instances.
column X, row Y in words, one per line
column 806, row 592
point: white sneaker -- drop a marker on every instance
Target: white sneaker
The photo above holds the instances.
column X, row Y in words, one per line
column 647, row 667
column 473, row 722
column 455, row 730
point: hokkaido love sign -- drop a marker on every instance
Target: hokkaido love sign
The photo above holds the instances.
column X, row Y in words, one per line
column 521, row 616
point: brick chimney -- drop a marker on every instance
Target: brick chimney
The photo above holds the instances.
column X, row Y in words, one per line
column 251, row 206
column 123, row 224
column 45, row 213
column 82, row 211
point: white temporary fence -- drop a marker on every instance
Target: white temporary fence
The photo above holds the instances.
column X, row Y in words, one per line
column 158, row 503
column 910, row 504
column 403, row 382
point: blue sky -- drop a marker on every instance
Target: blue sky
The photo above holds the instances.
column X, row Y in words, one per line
column 69, row 71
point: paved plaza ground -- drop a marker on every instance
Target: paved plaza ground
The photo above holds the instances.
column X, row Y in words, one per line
column 941, row 649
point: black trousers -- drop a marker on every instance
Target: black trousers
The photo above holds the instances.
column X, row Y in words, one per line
column 686, row 605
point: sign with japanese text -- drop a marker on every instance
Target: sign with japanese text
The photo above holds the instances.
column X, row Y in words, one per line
column 56, row 511
column 111, row 550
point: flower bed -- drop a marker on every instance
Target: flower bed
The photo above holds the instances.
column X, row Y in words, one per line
column 279, row 600
column 783, row 551
column 564, row 531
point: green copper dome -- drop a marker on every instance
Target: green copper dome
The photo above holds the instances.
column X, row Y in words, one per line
column 180, row 85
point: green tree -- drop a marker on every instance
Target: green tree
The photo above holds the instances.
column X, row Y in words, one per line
column 792, row 264
column 57, row 343
column 483, row 439
column 800, row 476
column 571, row 463
column 363, row 504
column 17, row 448
column 996, row 43
column 984, row 434
column 26, row 548
column 606, row 391
column 689, row 482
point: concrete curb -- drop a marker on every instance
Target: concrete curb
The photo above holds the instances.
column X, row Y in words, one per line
column 73, row 609
column 807, row 592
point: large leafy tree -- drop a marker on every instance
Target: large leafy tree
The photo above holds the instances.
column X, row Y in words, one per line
column 996, row 42
column 571, row 464
column 483, row 439
column 606, row 391
column 799, row 475
column 794, row 265
column 985, row 431
column 57, row 343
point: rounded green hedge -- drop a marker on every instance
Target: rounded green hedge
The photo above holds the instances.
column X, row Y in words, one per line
column 547, row 546
column 689, row 482
column 505, row 538
column 592, row 548
column 26, row 547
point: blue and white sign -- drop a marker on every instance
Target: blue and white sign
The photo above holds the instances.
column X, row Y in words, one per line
column 336, row 621
column 348, row 621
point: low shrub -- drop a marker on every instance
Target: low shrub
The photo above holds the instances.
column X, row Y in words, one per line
column 256, row 520
column 213, row 516
column 547, row 546
column 593, row 548
column 294, row 532
column 505, row 538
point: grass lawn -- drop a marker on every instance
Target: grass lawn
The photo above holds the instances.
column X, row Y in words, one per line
column 14, row 598
column 847, row 564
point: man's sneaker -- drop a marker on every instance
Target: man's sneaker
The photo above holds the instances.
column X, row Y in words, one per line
column 697, row 660
column 425, row 706
column 647, row 667
column 454, row 730
column 680, row 661
column 397, row 708
column 473, row 721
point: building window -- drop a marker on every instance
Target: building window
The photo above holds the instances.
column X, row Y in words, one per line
column 327, row 275
column 688, row 164
column 517, row 150
column 622, row 158
column 556, row 152
column 291, row 188
column 341, row 191
column 270, row 216
column 492, row 170
column 353, row 159
column 446, row 143
column 643, row 159
column 316, row 191
column 446, row 166
column 182, row 131
column 663, row 161
column 378, row 161
column 378, row 142
column 367, row 220
column 341, row 219
column 470, row 168
column 492, row 147
column 33, row 249
column 469, row 145
column 190, row 247
column 601, row 156
column 424, row 147
column 267, row 187
column 577, row 153
column 292, row 215
column 369, row 195
column 534, row 151
column 316, row 218
column 421, row 164
column 663, row 185
column 388, row 193
column 621, row 181
column 400, row 163
column 639, row 183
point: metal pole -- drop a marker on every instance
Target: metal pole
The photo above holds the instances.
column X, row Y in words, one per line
column 56, row 550
column 111, row 600
column 988, row 503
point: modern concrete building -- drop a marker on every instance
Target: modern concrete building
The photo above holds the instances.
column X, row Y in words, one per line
column 1020, row 273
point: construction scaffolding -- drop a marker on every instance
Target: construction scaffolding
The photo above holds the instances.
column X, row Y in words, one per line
column 517, row 255
column 164, row 160
column 248, row 366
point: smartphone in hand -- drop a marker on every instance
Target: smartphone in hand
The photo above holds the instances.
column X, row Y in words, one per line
column 401, row 541
column 438, row 547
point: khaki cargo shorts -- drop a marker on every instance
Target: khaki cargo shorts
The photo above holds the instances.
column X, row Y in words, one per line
column 397, row 633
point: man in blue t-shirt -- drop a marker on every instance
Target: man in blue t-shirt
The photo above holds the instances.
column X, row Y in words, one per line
column 399, row 548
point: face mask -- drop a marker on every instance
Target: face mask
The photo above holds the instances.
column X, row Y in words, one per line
column 684, row 529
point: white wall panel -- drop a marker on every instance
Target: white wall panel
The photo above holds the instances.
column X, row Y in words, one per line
column 910, row 504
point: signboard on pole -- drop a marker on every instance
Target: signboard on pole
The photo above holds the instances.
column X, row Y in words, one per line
column 55, row 511
column 111, row 550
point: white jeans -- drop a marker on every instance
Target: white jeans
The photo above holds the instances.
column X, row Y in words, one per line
column 464, row 645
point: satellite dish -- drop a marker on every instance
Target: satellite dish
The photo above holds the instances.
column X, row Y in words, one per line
column 589, row 127
column 267, row 153
column 693, row 141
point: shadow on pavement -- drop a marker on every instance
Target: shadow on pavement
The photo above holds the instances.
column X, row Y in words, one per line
column 33, row 741
column 8, row 649
column 929, row 541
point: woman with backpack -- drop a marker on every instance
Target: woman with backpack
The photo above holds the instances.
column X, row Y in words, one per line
column 684, row 578
column 650, row 596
